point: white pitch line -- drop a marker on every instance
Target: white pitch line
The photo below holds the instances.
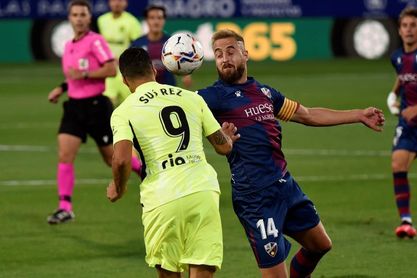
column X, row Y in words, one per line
column 305, row 152
column 51, row 182
column 354, row 177
column 33, row 148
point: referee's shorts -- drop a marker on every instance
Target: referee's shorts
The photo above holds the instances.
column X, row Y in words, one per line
column 88, row 116
column 183, row 232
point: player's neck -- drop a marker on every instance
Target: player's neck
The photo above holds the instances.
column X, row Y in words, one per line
column 79, row 35
column 134, row 84
column 155, row 36
column 410, row 47
column 116, row 15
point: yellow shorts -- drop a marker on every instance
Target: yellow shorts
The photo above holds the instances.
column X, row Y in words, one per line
column 185, row 231
column 116, row 90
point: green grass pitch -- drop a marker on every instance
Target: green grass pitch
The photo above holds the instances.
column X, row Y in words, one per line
column 345, row 171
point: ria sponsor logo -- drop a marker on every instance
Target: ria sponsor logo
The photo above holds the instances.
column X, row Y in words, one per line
column 172, row 162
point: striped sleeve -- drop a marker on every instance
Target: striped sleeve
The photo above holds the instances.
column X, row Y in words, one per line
column 288, row 108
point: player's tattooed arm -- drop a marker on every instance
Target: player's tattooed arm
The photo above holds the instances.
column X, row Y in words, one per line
column 222, row 140
column 219, row 138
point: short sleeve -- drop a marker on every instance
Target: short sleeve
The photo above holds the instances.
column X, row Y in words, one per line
column 101, row 50
column 211, row 98
column 120, row 127
column 210, row 124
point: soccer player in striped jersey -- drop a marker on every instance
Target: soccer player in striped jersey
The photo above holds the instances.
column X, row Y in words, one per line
column 119, row 28
column 404, row 60
column 153, row 42
column 266, row 198
column 180, row 192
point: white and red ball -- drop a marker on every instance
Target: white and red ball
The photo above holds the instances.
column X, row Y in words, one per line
column 182, row 54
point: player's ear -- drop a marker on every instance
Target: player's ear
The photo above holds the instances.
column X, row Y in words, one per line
column 246, row 55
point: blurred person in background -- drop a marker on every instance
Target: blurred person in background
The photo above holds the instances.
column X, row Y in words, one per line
column 405, row 138
column 86, row 62
column 119, row 28
column 153, row 42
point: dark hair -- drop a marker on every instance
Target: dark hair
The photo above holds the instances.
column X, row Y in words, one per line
column 154, row 7
column 408, row 11
column 83, row 3
column 135, row 62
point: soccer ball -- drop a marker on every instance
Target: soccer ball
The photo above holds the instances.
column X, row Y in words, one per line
column 182, row 54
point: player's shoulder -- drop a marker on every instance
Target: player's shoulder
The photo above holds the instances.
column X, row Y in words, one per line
column 92, row 36
column 104, row 17
column 130, row 17
column 215, row 88
column 266, row 89
column 140, row 42
column 397, row 53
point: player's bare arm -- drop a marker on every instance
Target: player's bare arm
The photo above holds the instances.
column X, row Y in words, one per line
column 121, row 170
column 370, row 117
column 223, row 139
column 107, row 70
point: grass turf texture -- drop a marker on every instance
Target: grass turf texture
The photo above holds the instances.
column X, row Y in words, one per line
column 344, row 170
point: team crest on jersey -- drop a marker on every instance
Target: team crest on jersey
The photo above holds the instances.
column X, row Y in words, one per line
column 83, row 64
column 266, row 92
column 238, row 94
column 271, row 248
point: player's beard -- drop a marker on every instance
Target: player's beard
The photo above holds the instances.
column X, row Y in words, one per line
column 231, row 78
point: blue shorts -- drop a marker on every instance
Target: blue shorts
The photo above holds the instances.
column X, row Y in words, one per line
column 405, row 138
column 268, row 214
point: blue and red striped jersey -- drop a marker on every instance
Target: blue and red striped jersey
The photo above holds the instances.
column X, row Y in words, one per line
column 256, row 160
column 405, row 64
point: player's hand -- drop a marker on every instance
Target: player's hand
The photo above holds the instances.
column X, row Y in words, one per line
column 230, row 130
column 187, row 81
column 54, row 95
column 76, row 74
column 393, row 104
column 112, row 194
column 409, row 113
column 373, row 118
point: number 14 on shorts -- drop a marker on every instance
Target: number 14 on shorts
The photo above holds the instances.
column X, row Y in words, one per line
column 270, row 229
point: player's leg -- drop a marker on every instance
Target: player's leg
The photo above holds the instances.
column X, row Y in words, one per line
column 315, row 244
column 262, row 214
column 303, row 224
column 400, row 162
column 277, row 271
column 163, row 273
column 202, row 271
column 99, row 128
column 68, row 146
column 203, row 242
column 164, row 238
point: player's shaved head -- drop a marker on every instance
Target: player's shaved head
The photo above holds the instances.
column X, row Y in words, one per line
column 83, row 3
column 409, row 11
column 135, row 63
column 225, row 34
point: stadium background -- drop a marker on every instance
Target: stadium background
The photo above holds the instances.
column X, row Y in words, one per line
column 321, row 53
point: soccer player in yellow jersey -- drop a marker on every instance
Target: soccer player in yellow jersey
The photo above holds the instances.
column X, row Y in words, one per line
column 119, row 28
column 180, row 193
